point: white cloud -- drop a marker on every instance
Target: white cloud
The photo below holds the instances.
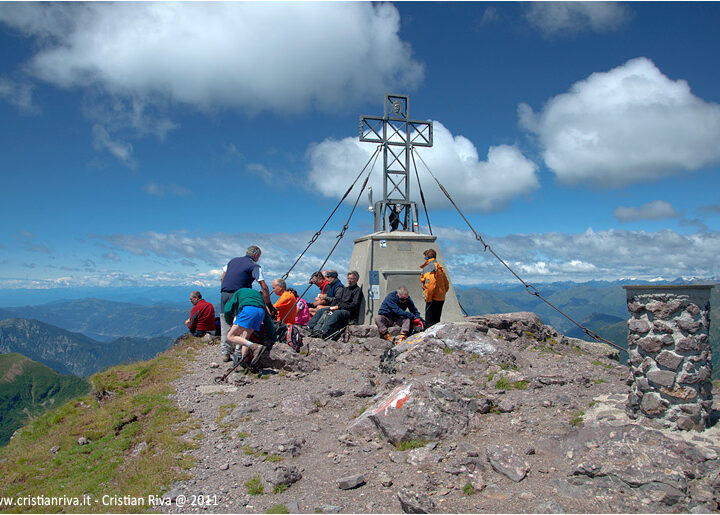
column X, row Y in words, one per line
column 569, row 18
column 121, row 150
column 628, row 125
column 156, row 258
column 279, row 251
column 591, row 255
column 537, row 257
column 261, row 171
column 136, row 60
column 454, row 160
column 655, row 210
column 281, row 57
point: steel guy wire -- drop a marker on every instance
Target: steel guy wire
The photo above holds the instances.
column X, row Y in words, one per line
column 532, row 290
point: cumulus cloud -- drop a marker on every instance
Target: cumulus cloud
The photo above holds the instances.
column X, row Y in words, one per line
column 655, row 210
column 252, row 56
column 477, row 185
column 590, row 255
column 570, row 18
column 628, row 125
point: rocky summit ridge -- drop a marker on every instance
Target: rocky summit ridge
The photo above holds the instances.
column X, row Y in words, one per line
column 499, row 413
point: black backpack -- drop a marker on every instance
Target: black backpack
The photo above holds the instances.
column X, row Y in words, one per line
column 290, row 335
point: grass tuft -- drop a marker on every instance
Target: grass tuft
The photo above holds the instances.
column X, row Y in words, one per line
column 278, row 508
column 577, row 418
column 468, row 489
column 255, row 486
column 407, row 445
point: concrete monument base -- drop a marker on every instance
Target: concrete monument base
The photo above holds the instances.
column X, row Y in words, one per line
column 387, row 260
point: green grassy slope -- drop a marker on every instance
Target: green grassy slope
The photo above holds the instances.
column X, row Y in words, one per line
column 135, row 440
column 28, row 388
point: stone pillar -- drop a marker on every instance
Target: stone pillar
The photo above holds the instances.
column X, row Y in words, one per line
column 669, row 354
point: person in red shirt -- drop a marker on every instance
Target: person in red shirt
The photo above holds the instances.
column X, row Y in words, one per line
column 202, row 316
column 319, row 280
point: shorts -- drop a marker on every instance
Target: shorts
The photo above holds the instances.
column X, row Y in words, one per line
column 250, row 317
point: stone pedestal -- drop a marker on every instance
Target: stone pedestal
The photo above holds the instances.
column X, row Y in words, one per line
column 669, row 354
column 395, row 258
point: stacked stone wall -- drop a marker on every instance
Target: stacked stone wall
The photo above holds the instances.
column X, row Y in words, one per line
column 669, row 355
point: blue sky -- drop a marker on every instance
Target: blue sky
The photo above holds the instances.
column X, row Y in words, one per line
column 147, row 144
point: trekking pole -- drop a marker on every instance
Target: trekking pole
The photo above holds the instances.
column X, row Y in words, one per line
column 223, row 378
column 334, row 334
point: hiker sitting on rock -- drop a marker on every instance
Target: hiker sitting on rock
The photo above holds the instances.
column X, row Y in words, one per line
column 246, row 311
column 303, row 312
column 397, row 309
column 285, row 305
column 330, row 289
column 202, row 316
column 344, row 307
column 318, row 279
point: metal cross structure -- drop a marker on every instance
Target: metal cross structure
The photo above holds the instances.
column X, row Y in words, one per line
column 398, row 134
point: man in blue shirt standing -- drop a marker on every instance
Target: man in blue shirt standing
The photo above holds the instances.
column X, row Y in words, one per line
column 241, row 272
column 397, row 309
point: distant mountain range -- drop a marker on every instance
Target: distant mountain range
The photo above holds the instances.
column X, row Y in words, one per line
column 578, row 301
column 106, row 320
column 74, row 353
column 28, row 388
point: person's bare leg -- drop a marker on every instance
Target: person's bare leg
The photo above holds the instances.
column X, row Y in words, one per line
column 240, row 336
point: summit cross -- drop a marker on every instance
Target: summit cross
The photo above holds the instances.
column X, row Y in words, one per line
column 398, row 134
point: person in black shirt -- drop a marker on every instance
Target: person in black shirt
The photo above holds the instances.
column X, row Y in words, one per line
column 344, row 307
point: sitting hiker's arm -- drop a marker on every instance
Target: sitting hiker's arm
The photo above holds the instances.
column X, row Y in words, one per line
column 413, row 309
column 192, row 321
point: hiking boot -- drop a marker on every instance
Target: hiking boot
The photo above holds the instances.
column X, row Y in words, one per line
column 386, row 336
column 258, row 352
column 227, row 357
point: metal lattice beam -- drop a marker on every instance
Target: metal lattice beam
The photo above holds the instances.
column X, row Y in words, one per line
column 395, row 129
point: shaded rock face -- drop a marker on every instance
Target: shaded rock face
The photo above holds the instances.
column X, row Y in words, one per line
column 282, row 357
column 416, row 411
column 416, row 502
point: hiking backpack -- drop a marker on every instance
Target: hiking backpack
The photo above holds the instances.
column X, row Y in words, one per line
column 290, row 335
